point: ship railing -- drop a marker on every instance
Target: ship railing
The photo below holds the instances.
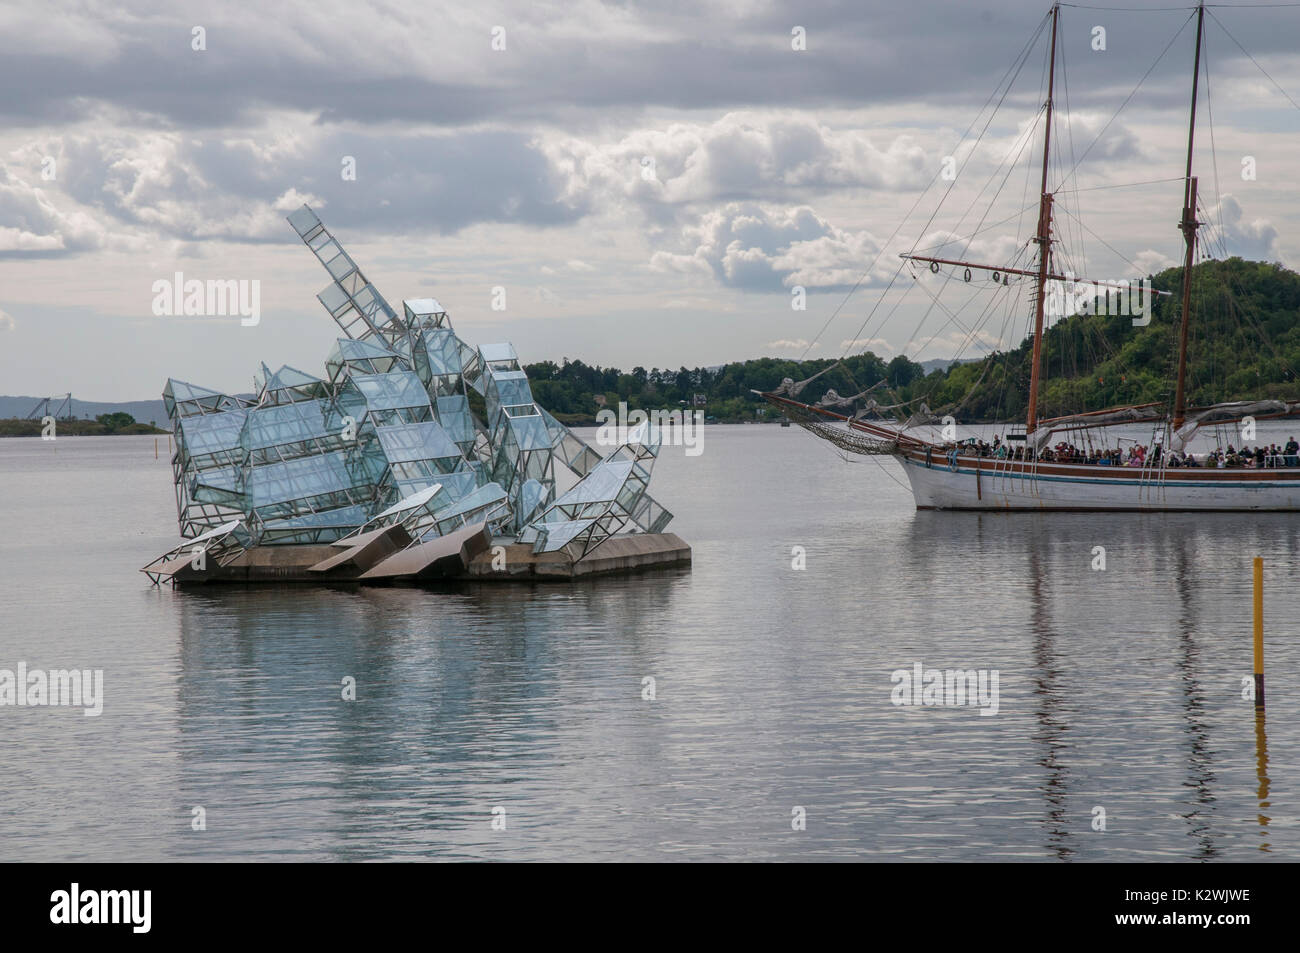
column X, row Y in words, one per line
column 1001, row 466
column 1153, row 476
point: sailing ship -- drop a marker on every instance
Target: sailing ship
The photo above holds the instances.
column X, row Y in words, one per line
column 1030, row 472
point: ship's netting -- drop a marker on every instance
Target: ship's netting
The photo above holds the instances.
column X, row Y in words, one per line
column 850, row 440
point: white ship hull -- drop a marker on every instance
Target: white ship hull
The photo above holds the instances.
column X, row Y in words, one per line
column 970, row 483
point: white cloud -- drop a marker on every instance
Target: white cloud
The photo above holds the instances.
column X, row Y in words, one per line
column 37, row 225
column 759, row 247
column 1150, row 261
column 740, row 154
column 877, row 345
column 292, row 200
column 785, row 345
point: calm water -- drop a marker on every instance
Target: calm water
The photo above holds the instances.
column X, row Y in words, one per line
column 1120, row 689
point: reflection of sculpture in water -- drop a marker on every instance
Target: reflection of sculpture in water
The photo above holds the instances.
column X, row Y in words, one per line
column 453, row 689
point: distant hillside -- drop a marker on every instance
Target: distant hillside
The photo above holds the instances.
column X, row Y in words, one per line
column 944, row 364
column 142, row 410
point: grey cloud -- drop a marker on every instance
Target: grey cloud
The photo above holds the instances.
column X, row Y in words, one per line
column 1256, row 239
column 188, row 189
column 857, row 54
column 221, row 182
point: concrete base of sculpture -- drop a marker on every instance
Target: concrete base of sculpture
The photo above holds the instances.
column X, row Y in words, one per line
column 468, row 555
column 517, row 562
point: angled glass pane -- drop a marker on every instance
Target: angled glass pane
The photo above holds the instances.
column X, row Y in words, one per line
column 423, row 441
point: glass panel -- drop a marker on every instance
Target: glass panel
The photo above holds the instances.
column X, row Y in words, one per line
column 303, row 220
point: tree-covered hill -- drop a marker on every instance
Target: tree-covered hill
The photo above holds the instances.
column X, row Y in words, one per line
column 1243, row 342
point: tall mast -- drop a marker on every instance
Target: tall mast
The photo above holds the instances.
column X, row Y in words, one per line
column 1044, row 238
column 1188, row 226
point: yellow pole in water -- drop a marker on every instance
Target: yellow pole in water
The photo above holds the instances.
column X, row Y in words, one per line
column 1259, row 632
column 155, row 448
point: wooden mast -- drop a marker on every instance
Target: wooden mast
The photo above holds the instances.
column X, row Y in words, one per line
column 1044, row 239
column 1188, row 226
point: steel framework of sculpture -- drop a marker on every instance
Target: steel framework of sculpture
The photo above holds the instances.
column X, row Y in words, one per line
column 390, row 436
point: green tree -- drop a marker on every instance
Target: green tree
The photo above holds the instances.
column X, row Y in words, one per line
column 115, row 421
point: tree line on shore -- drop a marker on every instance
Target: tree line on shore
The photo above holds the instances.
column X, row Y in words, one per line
column 114, row 423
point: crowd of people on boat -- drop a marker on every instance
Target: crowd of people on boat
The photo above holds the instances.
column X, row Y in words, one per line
column 1138, row 455
column 1259, row 457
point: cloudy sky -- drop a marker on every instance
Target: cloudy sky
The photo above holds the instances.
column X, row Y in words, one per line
column 649, row 182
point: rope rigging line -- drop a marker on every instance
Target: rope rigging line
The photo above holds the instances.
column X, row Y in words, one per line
column 1127, row 99
column 1009, row 300
column 1069, row 130
column 1118, row 253
column 1009, row 79
column 1025, row 139
column 1084, row 6
column 970, row 332
column 966, row 238
column 1016, row 67
column 1214, row 151
column 1128, row 185
column 1012, row 155
column 1255, row 61
column 971, row 335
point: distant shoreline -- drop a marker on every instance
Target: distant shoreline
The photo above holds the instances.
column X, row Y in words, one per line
column 14, row 427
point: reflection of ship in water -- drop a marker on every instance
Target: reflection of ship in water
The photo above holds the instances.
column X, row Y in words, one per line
column 1051, row 734
column 450, row 704
column 1089, row 643
column 1200, row 773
